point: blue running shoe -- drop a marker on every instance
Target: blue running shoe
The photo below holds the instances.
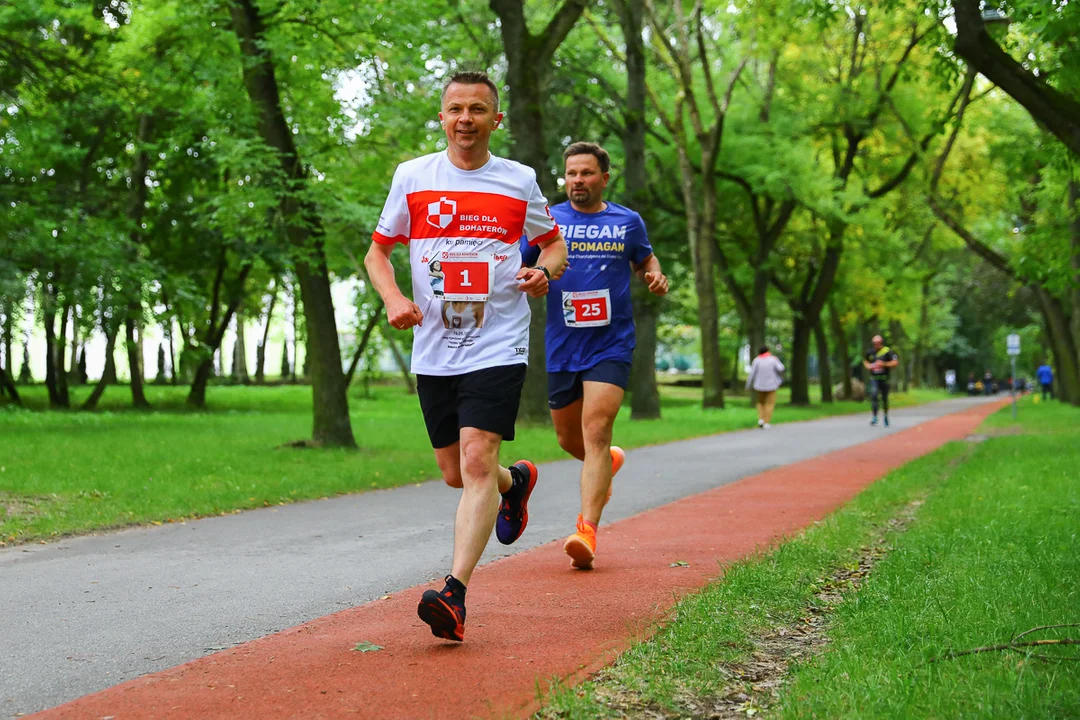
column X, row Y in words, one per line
column 886, row 421
column 514, row 508
column 874, row 421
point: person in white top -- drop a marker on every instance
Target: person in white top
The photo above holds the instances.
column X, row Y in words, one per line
column 461, row 213
column 765, row 378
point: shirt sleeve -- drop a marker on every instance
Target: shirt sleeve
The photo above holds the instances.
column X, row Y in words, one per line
column 394, row 222
column 779, row 365
column 529, row 253
column 539, row 225
column 640, row 249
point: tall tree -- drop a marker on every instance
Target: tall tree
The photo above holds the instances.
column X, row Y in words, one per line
column 1058, row 111
column 529, row 63
column 698, row 148
column 303, row 226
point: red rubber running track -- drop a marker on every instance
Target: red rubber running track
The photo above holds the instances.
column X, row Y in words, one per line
column 531, row 618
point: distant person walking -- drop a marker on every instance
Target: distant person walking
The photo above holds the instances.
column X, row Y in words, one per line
column 879, row 361
column 988, row 383
column 765, row 378
column 1045, row 375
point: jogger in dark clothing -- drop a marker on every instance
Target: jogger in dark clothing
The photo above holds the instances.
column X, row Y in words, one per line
column 878, row 361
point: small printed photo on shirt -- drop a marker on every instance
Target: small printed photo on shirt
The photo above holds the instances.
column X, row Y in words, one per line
column 461, row 315
column 435, row 273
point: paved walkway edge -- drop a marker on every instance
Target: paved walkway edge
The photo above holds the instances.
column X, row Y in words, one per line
column 531, row 619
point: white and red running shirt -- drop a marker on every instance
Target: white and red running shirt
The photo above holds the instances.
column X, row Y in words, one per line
column 462, row 228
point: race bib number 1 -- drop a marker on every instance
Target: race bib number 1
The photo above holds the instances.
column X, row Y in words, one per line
column 590, row 308
column 467, row 276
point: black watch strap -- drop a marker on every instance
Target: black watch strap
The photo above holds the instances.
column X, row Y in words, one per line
column 547, row 273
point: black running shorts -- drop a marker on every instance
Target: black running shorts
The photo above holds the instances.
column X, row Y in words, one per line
column 485, row 399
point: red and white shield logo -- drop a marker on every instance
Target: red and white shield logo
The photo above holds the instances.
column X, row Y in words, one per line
column 441, row 213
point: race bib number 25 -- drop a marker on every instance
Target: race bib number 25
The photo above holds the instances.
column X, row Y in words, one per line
column 467, row 276
column 590, row 308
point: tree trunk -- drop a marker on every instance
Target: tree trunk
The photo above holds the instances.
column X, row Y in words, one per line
column 840, row 343
column 917, row 355
column 800, row 360
column 197, row 394
column 330, row 418
column 824, row 369
column 1067, row 370
column 108, row 375
column 644, row 393
column 48, row 315
column 25, row 378
column 211, row 345
column 526, row 127
column 7, row 329
column 138, row 394
column 136, row 207
column 1057, row 111
column 60, row 356
column 1074, row 259
column 73, row 367
column 83, row 377
column 7, row 385
column 758, row 309
column 239, row 367
column 896, row 342
column 709, row 320
column 362, row 345
column 528, row 69
column 403, row 365
column 260, row 352
column 173, row 379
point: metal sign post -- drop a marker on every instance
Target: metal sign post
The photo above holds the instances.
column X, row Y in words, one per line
column 1012, row 346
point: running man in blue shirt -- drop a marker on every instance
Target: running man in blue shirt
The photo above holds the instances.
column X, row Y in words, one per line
column 590, row 330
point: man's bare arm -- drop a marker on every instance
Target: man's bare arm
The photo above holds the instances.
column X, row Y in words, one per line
column 553, row 257
column 402, row 312
column 650, row 273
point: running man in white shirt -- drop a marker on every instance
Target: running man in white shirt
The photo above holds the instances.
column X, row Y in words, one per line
column 467, row 209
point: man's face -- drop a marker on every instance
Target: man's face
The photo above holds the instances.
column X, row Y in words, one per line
column 585, row 182
column 469, row 116
column 878, row 342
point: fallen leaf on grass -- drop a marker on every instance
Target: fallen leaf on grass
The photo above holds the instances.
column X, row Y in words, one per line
column 366, row 646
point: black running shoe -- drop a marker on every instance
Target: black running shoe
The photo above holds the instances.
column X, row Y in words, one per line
column 514, row 508
column 444, row 611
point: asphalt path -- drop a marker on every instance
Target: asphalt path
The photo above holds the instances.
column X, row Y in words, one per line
column 87, row 613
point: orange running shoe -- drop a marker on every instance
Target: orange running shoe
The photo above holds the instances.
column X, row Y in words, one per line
column 581, row 546
column 618, row 457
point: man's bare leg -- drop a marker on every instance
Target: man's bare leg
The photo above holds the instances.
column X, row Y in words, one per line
column 449, row 460
column 482, row 480
column 601, row 404
column 567, row 423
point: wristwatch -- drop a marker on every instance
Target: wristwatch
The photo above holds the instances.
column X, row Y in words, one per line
column 547, row 273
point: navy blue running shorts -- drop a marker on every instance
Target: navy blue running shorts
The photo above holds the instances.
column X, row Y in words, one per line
column 565, row 388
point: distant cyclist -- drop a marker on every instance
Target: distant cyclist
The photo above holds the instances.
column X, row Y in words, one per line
column 879, row 361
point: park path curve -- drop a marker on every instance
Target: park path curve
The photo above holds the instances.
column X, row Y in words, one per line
column 531, row 619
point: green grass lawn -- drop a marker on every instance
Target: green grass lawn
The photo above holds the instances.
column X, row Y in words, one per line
column 994, row 550
column 66, row 472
